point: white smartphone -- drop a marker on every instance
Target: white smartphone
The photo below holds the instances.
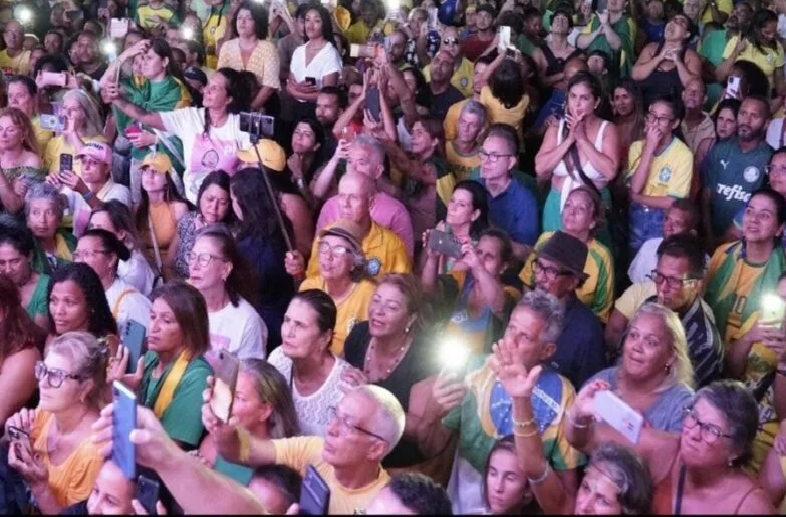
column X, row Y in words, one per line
column 504, row 36
column 118, row 28
column 619, row 415
column 732, row 87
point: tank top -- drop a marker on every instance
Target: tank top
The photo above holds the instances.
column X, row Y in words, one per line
column 572, row 179
column 554, row 64
column 662, row 82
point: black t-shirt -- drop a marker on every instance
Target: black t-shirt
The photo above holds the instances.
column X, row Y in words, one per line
column 417, row 364
column 441, row 103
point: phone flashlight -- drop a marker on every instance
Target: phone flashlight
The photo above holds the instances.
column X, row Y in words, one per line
column 188, row 33
column 453, row 355
column 108, row 47
column 773, row 309
column 23, row 14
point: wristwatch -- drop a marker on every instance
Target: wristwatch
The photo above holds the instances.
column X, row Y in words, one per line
column 87, row 196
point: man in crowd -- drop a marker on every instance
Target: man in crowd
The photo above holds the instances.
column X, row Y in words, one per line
column 14, row 60
column 331, row 103
column 476, row 44
column 735, row 168
column 443, row 93
column 463, row 153
column 410, row 494
column 460, row 67
column 90, row 61
column 451, row 123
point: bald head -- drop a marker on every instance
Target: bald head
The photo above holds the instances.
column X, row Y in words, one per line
column 574, row 66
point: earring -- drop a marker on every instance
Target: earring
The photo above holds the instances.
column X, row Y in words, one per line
column 408, row 328
column 730, row 463
column 667, row 368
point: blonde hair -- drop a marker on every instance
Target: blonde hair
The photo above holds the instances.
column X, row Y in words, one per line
column 89, row 357
column 22, row 121
column 681, row 371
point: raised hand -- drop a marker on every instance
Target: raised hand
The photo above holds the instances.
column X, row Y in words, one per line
column 508, row 364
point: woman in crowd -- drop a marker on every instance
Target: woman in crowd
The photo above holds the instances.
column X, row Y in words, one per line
column 341, row 276
column 760, row 46
column 717, row 428
column 667, row 66
column 476, row 303
column 583, row 148
column 224, row 279
column 315, row 64
column 505, row 488
column 752, row 81
column 552, row 55
column 307, row 139
column 17, row 249
column 19, row 161
column 263, row 406
column 250, row 51
column 102, row 251
column 62, row 462
column 172, row 375
column 581, row 218
column 262, row 244
column 214, row 205
column 210, row 135
column 304, row 358
column 392, row 350
column 757, row 258
column 160, row 209
column 505, row 96
column 115, row 217
column 44, row 209
column 83, row 124
column 20, row 345
column 23, row 95
column 160, row 90
column 725, row 119
column 77, row 303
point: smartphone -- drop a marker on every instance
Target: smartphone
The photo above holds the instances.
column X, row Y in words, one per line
column 124, row 421
column 54, row 123
column 134, row 340
column 432, row 19
column 366, row 50
column 257, row 124
column 118, row 28
column 224, row 385
column 314, row 493
column 444, row 243
column 372, row 104
column 66, row 162
column 453, row 358
column 733, row 87
column 147, row 493
column 619, row 415
column 20, row 439
column 773, row 310
column 348, row 133
column 504, row 36
column 54, row 78
column 132, row 130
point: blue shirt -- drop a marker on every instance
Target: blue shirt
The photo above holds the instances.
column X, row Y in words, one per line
column 515, row 210
column 581, row 350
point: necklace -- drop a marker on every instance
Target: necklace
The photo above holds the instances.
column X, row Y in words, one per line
column 371, row 353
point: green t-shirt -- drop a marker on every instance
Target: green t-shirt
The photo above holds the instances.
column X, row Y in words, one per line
column 182, row 420
column 38, row 303
column 525, row 46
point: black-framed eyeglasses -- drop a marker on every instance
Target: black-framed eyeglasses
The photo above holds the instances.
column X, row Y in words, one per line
column 492, row 157
column 551, row 273
column 710, row 433
column 54, row 376
column 672, row 281
column 349, row 426
column 659, row 120
column 203, row 259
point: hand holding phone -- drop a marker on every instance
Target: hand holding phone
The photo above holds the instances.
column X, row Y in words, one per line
column 223, row 393
column 619, row 415
column 314, row 494
column 444, row 243
column 147, row 493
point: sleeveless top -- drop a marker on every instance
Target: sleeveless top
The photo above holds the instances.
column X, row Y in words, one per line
column 661, row 82
column 572, row 179
column 554, row 64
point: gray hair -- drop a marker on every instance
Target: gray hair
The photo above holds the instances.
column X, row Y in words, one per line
column 681, row 372
column 549, row 310
column 372, row 146
column 272, row 388
column 45, row 190
column 740, row 411
column 389, row 418
column 473, row 107
column 94, row 125
column 626, row 469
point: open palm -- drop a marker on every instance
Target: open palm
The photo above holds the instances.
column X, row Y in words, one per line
column 517, row 380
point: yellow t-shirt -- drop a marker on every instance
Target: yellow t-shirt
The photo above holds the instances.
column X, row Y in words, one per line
column 146, row 15
column 499, row 114
column 634, row 297
column 299, row 452
column 450, row 124
column 72, row 480
column 352, row 309
column 42, row 136
column 19, row 65
column 460, row 164
column 724, row 6
column 214, row 28
column 463, row 77
column 768, row 60
column 384, row 250
column 57, row 146
column 671, row 171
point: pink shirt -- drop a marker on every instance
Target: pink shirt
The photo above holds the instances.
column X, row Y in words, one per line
column 386, row 211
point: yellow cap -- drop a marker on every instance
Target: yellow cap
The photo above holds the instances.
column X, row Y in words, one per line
column 159, row 161
column 273, row 157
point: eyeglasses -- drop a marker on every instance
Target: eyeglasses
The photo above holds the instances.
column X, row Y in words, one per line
column 203, row 259
column 769, row 169
column 53, row 376
column 659, row 120
column 88, row 254
column 336, row 251
column 672, row 281
column 491, row 157
column 450, row 41
column 710, row 433
column 551, row 273
column 349, row 426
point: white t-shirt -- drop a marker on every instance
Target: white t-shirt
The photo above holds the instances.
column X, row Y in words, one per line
column 80, row 210
column 645, row 261
column 126, row 303
column 313, row 413
column 204, row 154
column 239, row 330
column 136, row 272
column 774, row 131
column 326, row 62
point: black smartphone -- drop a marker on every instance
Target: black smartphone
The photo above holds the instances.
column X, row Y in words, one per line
column 372, row 103
column 444, row 243
column 134, row 340
column 257, row 124
column 224, row 385
column 147, row 493
column 66, row 162
column 314, row 493
column 123, row 422
column 311, row 80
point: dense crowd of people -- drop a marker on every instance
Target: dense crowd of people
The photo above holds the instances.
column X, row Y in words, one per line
column 466, row 256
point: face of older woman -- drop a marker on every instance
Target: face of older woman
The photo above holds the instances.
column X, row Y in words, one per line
column 300, row 333
column 335, row 257
column 164, row 331
column 42, row 218
column 598, row 494
column 648, row 348
column 68, row 307
column 387, row 312
column 207, row 267
column 460, row 208
column 578, row 216
column 214, row 204
column 112, row 492
column 59, row 390
column 705, row 441
column 11, row 135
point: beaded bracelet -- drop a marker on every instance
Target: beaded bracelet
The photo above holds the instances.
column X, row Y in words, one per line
column 546, row 472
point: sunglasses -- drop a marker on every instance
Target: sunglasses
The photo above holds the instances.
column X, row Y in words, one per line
column 450, row 41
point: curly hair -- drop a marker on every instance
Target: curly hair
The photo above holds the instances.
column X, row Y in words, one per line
column 100, row 323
